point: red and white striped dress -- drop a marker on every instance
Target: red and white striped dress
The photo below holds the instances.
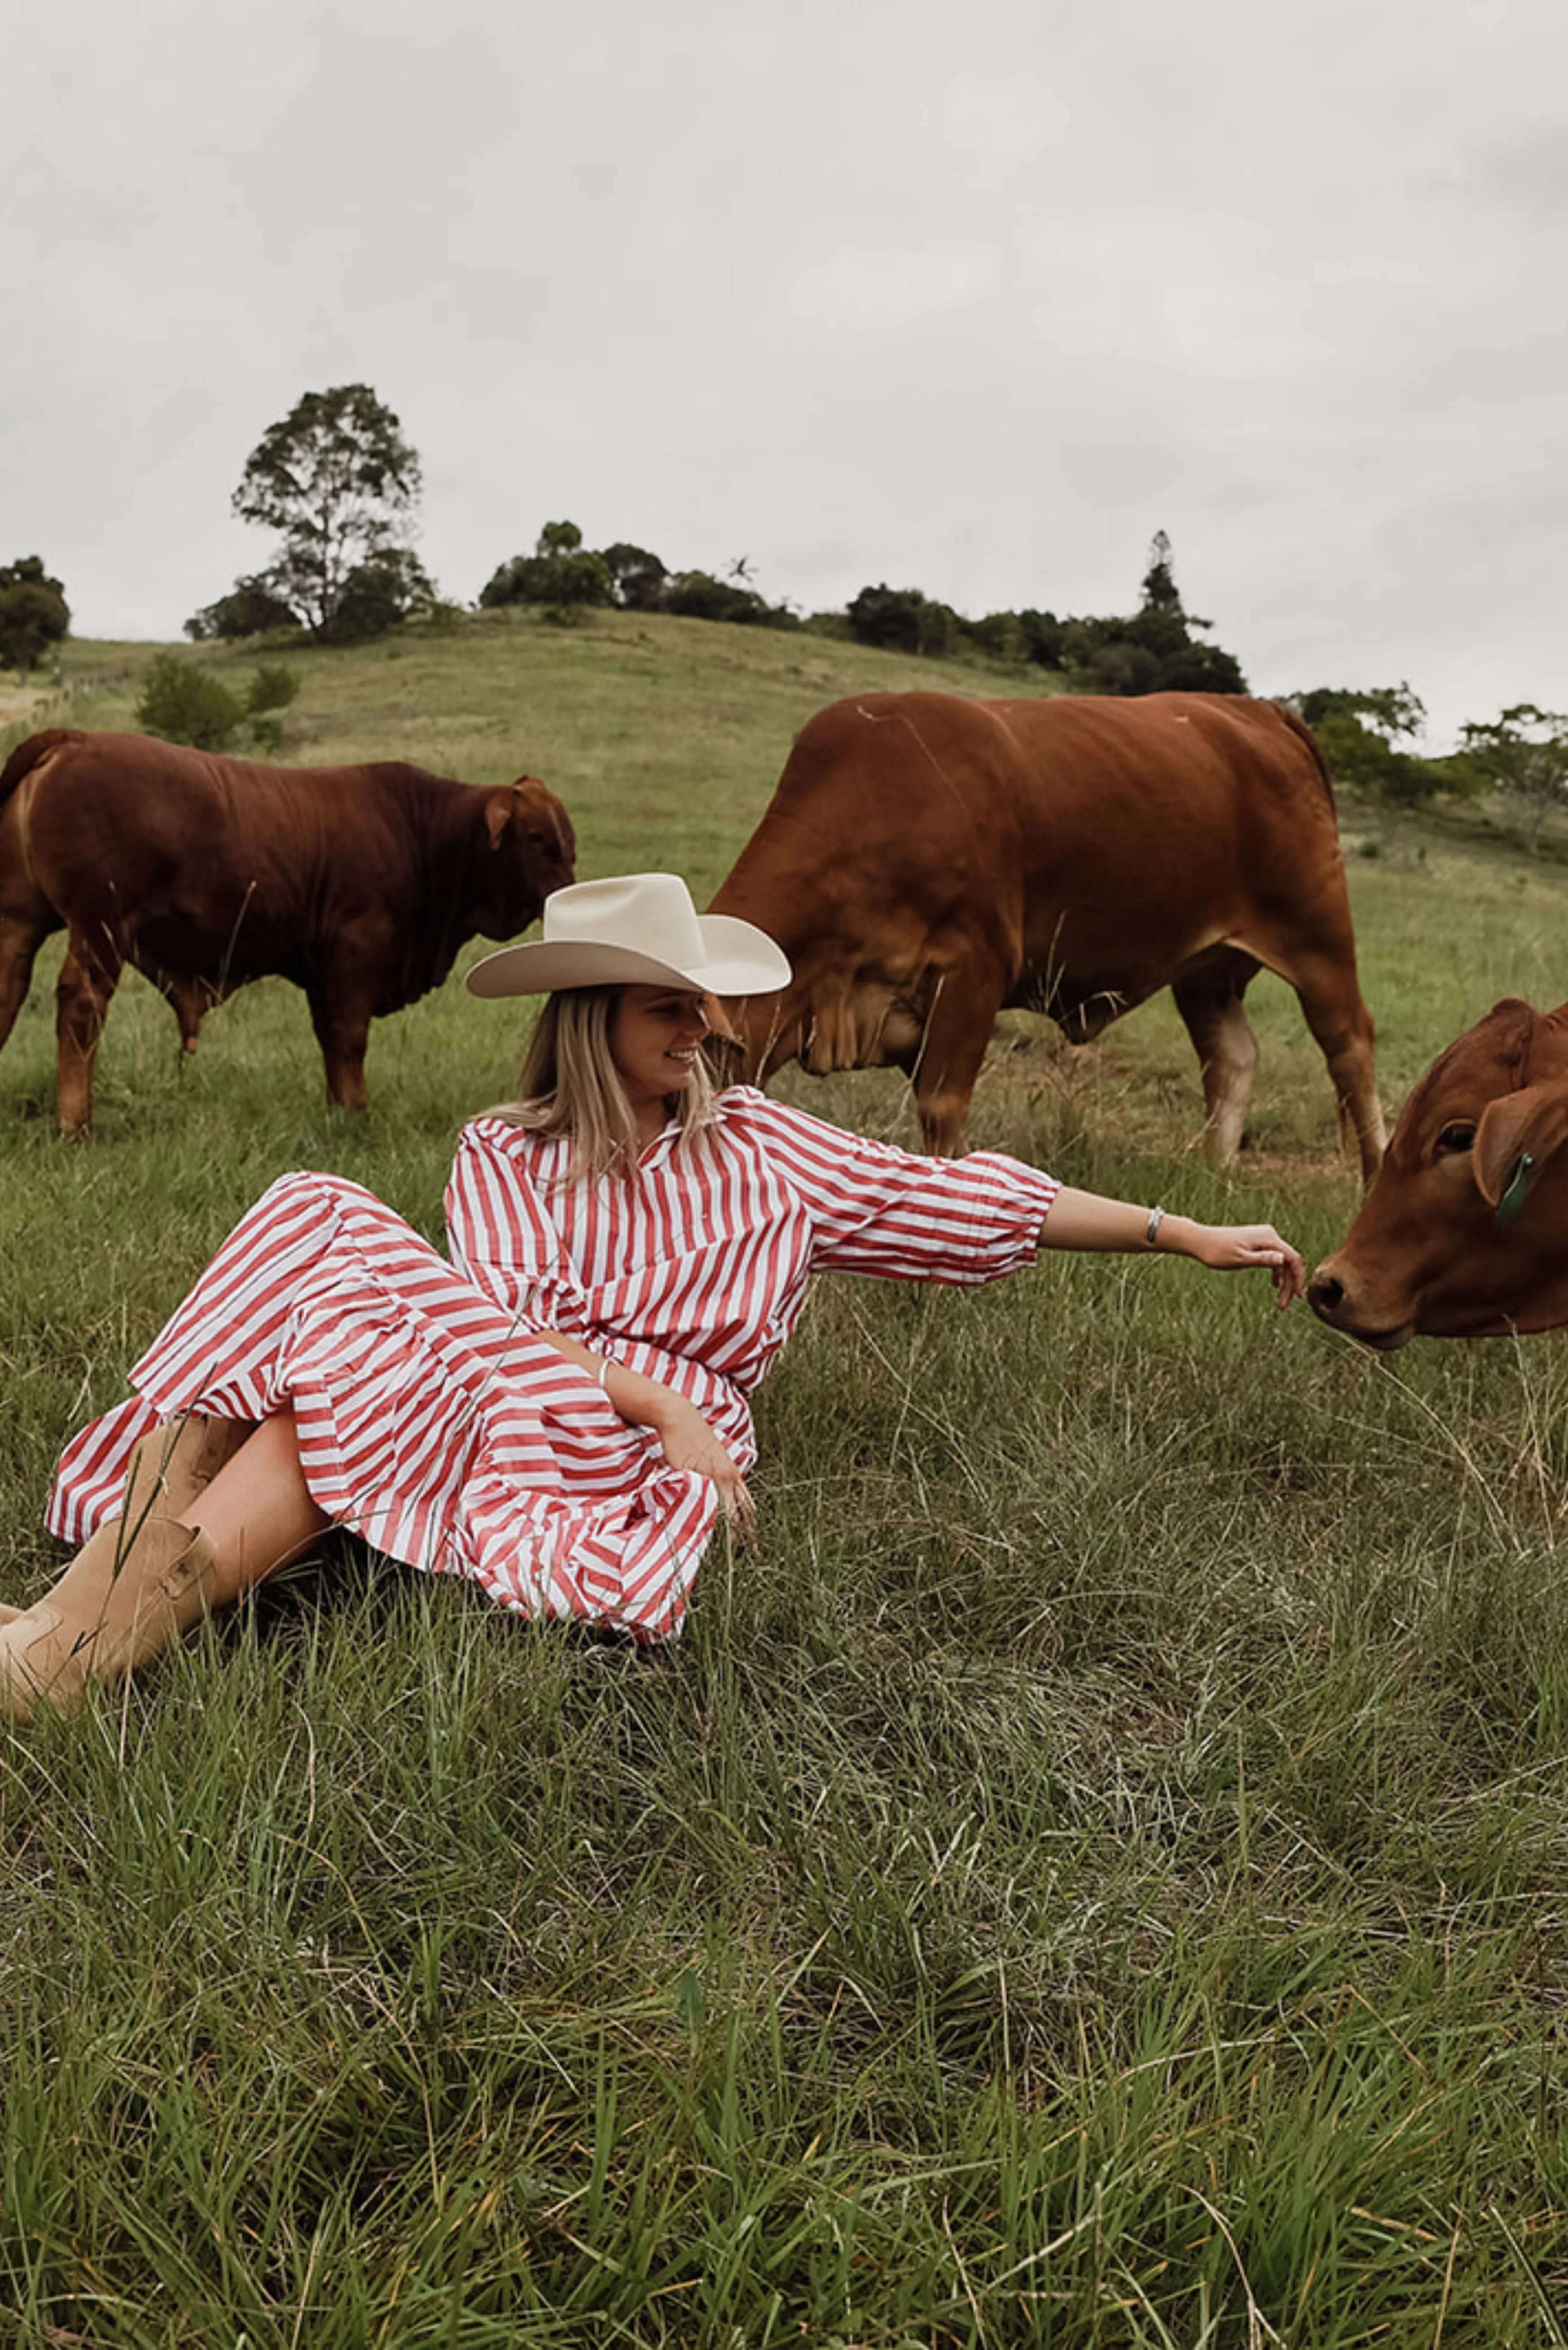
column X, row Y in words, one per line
column 433, row 1421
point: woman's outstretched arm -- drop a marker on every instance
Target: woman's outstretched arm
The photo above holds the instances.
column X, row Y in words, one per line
column 1082, row 1220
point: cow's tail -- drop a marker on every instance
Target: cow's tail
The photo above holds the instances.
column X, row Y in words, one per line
column 27, row 755
column 1298, row 726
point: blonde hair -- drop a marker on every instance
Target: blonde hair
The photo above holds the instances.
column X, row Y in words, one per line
column 570, row 1086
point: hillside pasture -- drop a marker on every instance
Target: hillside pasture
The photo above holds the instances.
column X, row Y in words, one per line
column 1092, row 1875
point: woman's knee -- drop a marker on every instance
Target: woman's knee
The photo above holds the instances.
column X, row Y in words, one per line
column 304, row 1188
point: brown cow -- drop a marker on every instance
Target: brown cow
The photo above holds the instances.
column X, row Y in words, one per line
column 358, row 883
column 1464, row 1234
column 926, row 861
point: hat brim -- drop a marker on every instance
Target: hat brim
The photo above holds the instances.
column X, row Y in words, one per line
column 740, row 960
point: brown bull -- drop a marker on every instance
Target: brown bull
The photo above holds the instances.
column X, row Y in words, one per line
column 358, row 883
column 926, row 861
column 1464, row 1234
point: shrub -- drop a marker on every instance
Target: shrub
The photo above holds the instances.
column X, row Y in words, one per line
column 273, row 686
column 182, row 702
column 999, row 634
column 697, row 595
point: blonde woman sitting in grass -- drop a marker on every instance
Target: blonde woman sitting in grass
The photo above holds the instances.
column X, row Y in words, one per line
column 560, row 1411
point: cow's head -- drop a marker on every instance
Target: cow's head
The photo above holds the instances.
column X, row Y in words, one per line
column 529, row 851
column 1464, row 1233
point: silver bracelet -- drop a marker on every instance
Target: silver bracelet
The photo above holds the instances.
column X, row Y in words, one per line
column 604, row 1372
column 1151, row 1230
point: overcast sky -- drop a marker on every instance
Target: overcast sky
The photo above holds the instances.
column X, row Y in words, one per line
column 972, row 298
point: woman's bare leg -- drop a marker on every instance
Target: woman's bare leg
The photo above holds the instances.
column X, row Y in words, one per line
column 257, row 1513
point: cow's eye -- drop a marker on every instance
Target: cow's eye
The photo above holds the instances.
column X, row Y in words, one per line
column 1459, row 1136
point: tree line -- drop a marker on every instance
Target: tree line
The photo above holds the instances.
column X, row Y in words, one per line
column 339, row 482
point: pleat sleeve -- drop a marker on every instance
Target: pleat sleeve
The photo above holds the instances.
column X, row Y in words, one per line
column 875, row 1209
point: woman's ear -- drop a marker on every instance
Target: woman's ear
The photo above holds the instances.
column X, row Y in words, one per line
column 1533, row 1120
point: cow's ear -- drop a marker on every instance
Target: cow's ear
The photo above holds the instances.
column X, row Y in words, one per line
column 1533, row 1121
column 499, row 809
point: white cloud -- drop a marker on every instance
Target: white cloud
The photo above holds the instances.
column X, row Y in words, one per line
column 868, row 291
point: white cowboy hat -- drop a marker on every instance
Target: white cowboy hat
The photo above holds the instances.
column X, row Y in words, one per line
column 635, row 929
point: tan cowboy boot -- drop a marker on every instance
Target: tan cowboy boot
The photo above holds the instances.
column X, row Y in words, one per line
column 129, row 1591
column 170, row 1467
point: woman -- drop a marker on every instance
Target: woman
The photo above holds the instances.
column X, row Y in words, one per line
column 560, row 1411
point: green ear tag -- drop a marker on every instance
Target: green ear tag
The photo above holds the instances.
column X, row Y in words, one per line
column 1515, row 1192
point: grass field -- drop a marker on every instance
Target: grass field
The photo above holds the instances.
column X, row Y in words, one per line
column 1095, row 1875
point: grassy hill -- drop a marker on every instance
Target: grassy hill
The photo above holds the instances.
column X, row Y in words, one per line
column 1091, row 1875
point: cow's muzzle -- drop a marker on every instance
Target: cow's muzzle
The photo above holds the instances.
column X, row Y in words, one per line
column 1333, row 1302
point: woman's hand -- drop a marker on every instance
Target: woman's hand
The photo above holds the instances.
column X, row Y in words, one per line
column 686, row 1439
column 1235, row 1248
column 690, row 1442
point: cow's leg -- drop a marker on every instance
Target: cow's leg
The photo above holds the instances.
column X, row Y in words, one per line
column 19, row 944
column 27, row 920
column 82, row 994
column 1330, row 999
column 1209, row 995
column 342, row 1025
column 957, row 1031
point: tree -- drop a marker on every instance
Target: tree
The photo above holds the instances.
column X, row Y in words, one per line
column 1358, row 735
column 637, row 577
column 377, row 595
column 1524, row 752
column 336, row 477
column 561, row 572
column 250, row 609
column 34, row 613
column 902, row 619
column 1153, row 649
column 1391, row 710
column 559, row 538
column 1161, row 593
column 1043, row 637
column 1000, row 635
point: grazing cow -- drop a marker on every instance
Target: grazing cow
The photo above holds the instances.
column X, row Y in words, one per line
column 358, row 883
column 1464, row 1234
column 926, row 861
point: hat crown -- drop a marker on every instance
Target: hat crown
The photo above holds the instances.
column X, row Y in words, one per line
column 635, row 929
column 645, row 913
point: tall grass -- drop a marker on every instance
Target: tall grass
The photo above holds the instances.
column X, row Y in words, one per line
column 1092, row 1875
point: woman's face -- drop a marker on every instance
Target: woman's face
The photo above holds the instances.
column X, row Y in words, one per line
column 656, row 1035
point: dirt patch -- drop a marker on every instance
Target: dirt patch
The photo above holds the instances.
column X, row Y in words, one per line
column 19, row 701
